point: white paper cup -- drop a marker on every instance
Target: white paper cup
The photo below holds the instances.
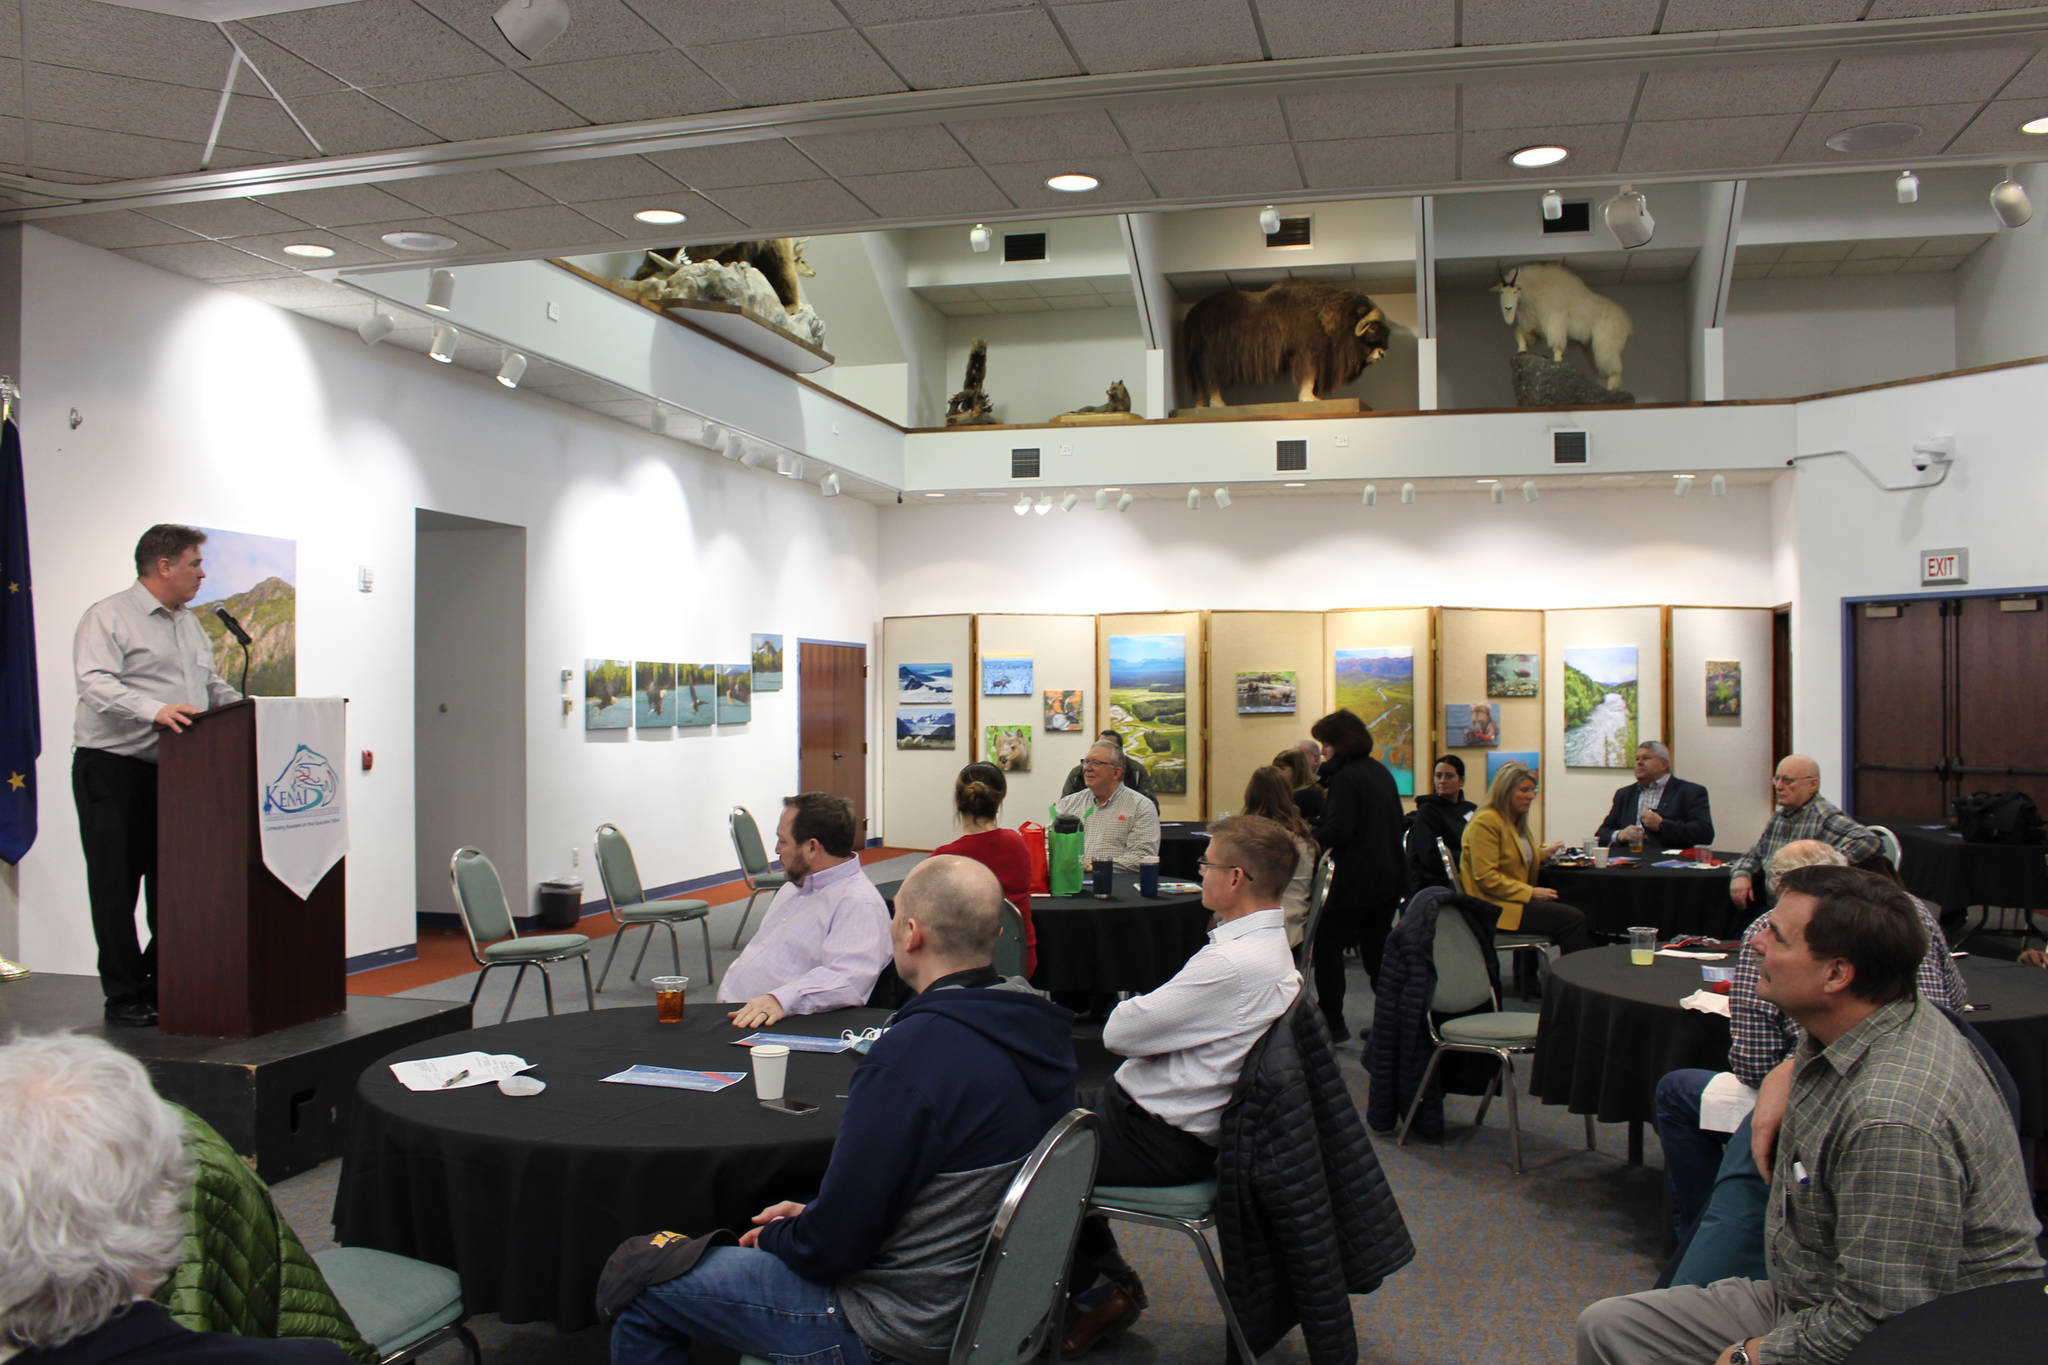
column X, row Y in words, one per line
column 1601, row 855
column 771, row 1069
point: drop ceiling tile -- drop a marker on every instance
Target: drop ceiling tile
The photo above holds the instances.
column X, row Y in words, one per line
column 1160, row 35
column 1055, row 289
column 1916, row 9
column 1541, row 21
column 1193, row 284
column 1939, row 124
column 1004, row 289
column 259, row 123
column 1930, row 265
column 918, row 147
column 371, row 235
column 1603, row 278
column 1807, row 252
column 1699, row 16
column 770, row 161
column 349, row 122
column 1321, row 274
column 1362, row 163
column 1756, row 271
column 375, row 42
column 495, row 104
column 967, row 308
column 1076, row 303
column 1883, row 267
column 895, row 11
column 115, row 230
column 333, row 207
column 467, row 192
column 799, row 67
column 552, row 229
column 949, row 192
column 706, row 221
column 1997, row 130
column 206, row 261
column 1954, row 244
column 1697, row 144
column 1024, row 182
column 219, row 218
column 1217, row 171
column 1185, row 124
column 126, row 42
column 1657, row 274
column 92, row 99
column 805, row 205
column 1373, row 113
column 982, row 49
column 1037, row 137
column 1255, row 278
column 946, row 293
column 1780, row 88
column 2031, row 82
column 1020, row 305
column 290, row 74
column 604, row 177
column 1885, row 248
column 632, row 88
column 601, row 28
column 1595, row 150
column 1321, row 28
column 1596, row 260
column 1920, row 78
column 1536, row 104
column 690, row 23
column 299, row 292
column 346, row 252
column 104, row 154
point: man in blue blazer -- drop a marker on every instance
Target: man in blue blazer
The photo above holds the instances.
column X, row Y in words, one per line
column 1670, row 811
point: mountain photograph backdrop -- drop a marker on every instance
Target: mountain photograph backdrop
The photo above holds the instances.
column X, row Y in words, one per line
column 255, row 578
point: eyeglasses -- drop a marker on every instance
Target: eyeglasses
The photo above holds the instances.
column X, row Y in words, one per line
column 1788, row 781
column 1096, row 763
column 1203, row 864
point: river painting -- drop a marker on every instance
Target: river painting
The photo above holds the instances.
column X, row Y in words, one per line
column 696, row 698
column 1600, row 706
column 1378, row 686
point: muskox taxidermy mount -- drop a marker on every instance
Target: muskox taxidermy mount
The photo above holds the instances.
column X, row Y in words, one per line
column 1316, row 335
column 1543, row 299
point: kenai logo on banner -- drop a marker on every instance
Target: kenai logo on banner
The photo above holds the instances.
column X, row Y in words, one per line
column 308, row 782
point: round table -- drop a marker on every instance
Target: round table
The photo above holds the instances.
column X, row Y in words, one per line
column 1995, row 1324
column 2009, row 1006
column 1939, row 865
column 1181, row 845
column 1676, row 900
column 525, row 1198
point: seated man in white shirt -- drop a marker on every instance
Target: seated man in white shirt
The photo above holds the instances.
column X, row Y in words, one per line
column 825, row 938
column 1186, row 1042
column 1121, row 825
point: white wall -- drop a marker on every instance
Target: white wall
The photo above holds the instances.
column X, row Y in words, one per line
column 1474, row 359
column 200, row 405
column 1790, row 338
column 1999, row 313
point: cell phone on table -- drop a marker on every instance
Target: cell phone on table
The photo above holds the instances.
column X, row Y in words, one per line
column 790, row 1106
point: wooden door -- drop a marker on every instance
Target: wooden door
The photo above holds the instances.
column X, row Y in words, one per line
column 832, row 722
column 2001, row 649
column 1901, row 698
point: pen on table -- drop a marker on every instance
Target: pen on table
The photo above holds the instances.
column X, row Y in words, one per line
column 461, row 1075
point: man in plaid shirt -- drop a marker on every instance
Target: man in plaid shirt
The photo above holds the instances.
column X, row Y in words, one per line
column 1802, row 813
column 1895, row 1176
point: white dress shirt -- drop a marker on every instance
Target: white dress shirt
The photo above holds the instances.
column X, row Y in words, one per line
column 820, row 946
column 134, row 656
column 1188, row 1039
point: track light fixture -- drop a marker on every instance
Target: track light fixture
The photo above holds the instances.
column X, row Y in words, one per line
column 1408, row 493
column 1067, row 503
column 1718, row 485
column 1269, row 220
column 752, row 456
column 978, row 237
column 830, row 486
column 1372, row 495
column 1553, row 206
column 657, row 419
column 532, row 25
column 1223, row 497
column 1102, row 499
column 1123, row 503
column 1908, row 187
column 1627, row 216
column 1498, row 493
column 789, row 464
column 1681, row 485
column 375, row 327
column 1023, row 507
column 1194, row 498
column 441, row 290
column 1530, row 492
column 2009, row 201
column 443, row 345
column 1043, row 505
column 512, row 369
column 716, row 437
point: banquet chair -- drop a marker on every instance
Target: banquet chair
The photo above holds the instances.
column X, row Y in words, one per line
column 403, row 1307
column 1461, row 986
column 1187, row 1209
column 1888, row 844
column 1318, row 896
column 1017, row 1301
column 1009, row 952
column 480, row 898
column 1504, row 940
column 631, row 909
column 746, row 842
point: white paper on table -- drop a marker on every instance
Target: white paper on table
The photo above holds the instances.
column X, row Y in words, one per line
column 434, row 1073
column 1706, row 1002
column 1687, row 952
column 1725, row 1103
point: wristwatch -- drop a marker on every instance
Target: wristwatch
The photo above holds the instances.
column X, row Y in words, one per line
column 1738, row 1354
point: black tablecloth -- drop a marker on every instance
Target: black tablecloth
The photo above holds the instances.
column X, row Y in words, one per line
column 1181, row 844
column 1610, row 1030
column 1125, row 943
column 2009, row 1006
column 525, row 1198
column 1675, row 900
column 1998, row 1324
column 1938, row 866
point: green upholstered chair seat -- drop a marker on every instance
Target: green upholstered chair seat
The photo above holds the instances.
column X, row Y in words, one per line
column 1194, row 1201
column 652, row 912
column 1503, row 1029
column 1504, row 939
column 394, row 1300
column 534, row 947
column 765, row 880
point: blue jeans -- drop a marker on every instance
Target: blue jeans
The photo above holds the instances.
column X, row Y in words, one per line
column 744, row 1298
column 1691, row 1157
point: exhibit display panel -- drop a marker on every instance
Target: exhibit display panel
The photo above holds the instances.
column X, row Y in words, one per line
column 1377, row 664
column 1603, row 683
column 1058, row 653
column 1721, row 690
column 1266, row 682
column 1148, row 674
column 927, row 694
column 1493, row 658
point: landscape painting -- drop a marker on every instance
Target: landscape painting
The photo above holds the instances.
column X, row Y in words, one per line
column 735, row 694
column 654, row 696
column 1378, row 686
column 924, row 727
column 1470, row 725
column 1265, row 694
column 924, row 684
column 1500, row 758
column 1724, row 688
column 1005, row 675
column 1148, row 705
column 1600, row 706
column 1513, row 675
column 1008, row 747
column 1063, row 709
column 607, row 694
column 696, row 699
column 253, row 577
column 767, row 655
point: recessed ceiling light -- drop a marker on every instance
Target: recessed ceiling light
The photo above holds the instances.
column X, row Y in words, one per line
column 659, row 217
column 2035, row 125
column 409, row 240
column 1532, row 157
column 1873, row 137
column 309, row 249
column 1072, row 183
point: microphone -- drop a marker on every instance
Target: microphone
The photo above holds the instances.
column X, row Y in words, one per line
column 234, row 626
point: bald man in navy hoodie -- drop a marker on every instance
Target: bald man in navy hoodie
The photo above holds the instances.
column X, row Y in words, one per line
column 952, row 1098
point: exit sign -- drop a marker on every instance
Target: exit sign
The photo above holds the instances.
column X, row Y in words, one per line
column 1944, row 566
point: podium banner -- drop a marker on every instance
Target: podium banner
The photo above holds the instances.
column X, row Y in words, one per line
column 301, row 800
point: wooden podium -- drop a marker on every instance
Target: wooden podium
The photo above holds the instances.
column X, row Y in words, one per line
column 238, row 953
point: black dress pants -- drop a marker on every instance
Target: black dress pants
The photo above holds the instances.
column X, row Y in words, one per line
column 116, row 798
column 1565, row 923
column 1364, row 929
column 1137, row 1148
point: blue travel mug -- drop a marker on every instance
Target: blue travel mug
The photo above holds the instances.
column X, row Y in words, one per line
column 1148, row 880
column 1103, row 868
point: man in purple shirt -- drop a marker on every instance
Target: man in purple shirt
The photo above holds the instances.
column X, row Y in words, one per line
column 825, row 938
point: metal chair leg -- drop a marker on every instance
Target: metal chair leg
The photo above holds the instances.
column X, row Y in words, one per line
column 1486, row 1098
column 753, row 891
column 518, row 980
column 1245, row 1352
column 589, row 996
column 1514, row 1114
column 612, row 956
column 478, row 988
column 675, row 945
column 1428, row 1072
column 641, row 960
column 710, row 972
column 547, row 986
column 1589, row 1134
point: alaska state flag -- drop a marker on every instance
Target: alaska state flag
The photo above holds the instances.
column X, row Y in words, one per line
column 21, row 725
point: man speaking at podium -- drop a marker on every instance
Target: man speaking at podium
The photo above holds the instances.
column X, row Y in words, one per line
column 144, row 666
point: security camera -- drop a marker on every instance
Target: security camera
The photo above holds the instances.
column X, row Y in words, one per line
column 1932, row 451
column 1921, row 460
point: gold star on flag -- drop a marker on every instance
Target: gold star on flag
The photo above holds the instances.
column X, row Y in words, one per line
column 17, row 781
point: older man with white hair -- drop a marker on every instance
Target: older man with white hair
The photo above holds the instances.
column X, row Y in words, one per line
column 93, row 1181
column 1121, row 825
column 1799, row 812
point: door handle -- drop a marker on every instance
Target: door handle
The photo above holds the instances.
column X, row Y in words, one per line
column 838, row 755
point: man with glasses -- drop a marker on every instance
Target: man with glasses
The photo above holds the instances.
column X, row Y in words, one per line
column 1801, row 813
column 1121, row 825
column 1135, row 775
column 1186, row 1042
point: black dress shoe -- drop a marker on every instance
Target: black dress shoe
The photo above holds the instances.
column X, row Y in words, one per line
column 1338, row 1032
column 131, row 1013
column 1107, row 1320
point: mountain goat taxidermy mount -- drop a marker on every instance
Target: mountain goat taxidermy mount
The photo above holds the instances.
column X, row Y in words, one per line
column 1543, row 299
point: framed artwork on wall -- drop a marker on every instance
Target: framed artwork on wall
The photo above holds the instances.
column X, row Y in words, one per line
column 1724, row 687
column 1513, row 675
column 767, row 659
column 1266, row 694
column 696, row 700
column 735, row 694
column 654, row 696
column 1378, row 686
column 1471, row 725
column 1148, row 705
column 924, row 684
column 1600, row 706
column 1008, row 747
column 1063, row 710
column 1005, row 675
column 924, row 727
column 607, row 694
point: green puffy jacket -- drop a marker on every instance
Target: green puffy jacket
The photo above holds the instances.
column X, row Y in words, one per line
column 244, row 1269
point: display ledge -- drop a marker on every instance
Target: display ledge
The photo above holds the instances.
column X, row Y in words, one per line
column 723, row 322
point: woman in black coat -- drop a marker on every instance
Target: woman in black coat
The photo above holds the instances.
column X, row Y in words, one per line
column 1439, row 815
column 1361, row 825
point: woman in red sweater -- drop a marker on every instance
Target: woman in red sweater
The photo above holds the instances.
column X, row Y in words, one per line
column 977, row 797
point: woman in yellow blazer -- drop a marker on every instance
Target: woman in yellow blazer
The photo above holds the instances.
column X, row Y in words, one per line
column 1499, row 860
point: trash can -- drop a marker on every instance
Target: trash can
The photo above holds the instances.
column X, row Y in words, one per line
column 561, row 902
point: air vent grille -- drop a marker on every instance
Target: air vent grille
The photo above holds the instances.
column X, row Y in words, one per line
column 1569, row 446
column 1290, row 457
column 1293, row 232
column 1024, row 463
column 1023, row 246
column 1577, row 216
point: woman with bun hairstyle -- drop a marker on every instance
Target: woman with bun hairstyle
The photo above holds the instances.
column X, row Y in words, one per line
column 977, row 798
